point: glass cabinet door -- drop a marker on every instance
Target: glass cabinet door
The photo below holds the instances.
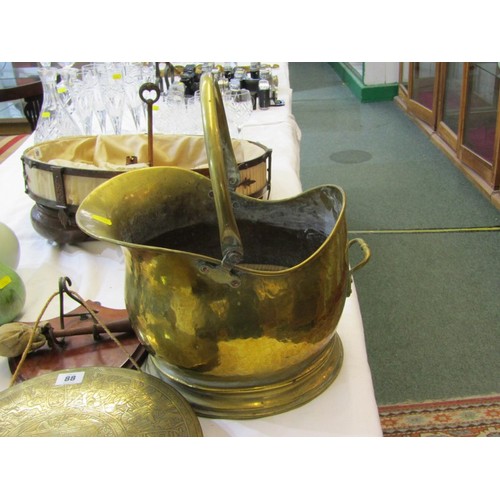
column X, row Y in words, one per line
column 481, row 109
column 424, row 74
column 422, row 90
column 452, row 95
column 450, row 102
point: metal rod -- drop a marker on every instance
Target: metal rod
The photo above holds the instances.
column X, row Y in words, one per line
column 149, row 88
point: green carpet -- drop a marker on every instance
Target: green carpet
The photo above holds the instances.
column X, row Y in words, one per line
column 430, row 301
column 431, row 309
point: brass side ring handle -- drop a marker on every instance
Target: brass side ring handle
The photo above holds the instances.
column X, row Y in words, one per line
column 364, row 248
column 366, row 257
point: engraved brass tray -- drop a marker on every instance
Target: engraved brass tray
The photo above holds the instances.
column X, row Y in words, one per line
column 96, row 402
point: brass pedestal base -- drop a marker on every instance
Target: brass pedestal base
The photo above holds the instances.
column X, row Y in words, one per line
column 232, row 399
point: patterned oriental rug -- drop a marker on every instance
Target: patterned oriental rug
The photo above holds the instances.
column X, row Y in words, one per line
column 471, row 417
column 9, row 144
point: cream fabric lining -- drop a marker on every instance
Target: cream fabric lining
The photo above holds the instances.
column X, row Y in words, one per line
column 111, row 151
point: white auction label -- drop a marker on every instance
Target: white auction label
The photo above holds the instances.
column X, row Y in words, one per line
column 70, row 378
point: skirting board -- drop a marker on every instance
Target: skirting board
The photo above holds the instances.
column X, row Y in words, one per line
column 365, row 93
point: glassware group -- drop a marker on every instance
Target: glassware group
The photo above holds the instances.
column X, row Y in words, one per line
column 92, row 99
column 103, row 98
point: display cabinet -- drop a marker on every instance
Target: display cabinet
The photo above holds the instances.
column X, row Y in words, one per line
column 457, row 104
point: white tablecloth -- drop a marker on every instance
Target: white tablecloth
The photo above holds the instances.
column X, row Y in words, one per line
column 96, row 269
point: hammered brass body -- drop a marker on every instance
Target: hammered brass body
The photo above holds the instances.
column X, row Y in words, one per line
column 224, row 328
column 240, row 312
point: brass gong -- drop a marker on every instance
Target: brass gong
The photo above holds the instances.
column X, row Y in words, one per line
column 96, row 402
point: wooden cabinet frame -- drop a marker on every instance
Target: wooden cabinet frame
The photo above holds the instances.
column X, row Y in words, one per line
column 484, row 174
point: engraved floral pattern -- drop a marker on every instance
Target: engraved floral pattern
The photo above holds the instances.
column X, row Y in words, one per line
column 108, row 402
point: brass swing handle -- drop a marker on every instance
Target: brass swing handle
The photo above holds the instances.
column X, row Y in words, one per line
column 224, row 172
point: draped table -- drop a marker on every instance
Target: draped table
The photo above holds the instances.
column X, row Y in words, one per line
column 96, row 269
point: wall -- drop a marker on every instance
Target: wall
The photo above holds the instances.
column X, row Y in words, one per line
column 379, row 73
